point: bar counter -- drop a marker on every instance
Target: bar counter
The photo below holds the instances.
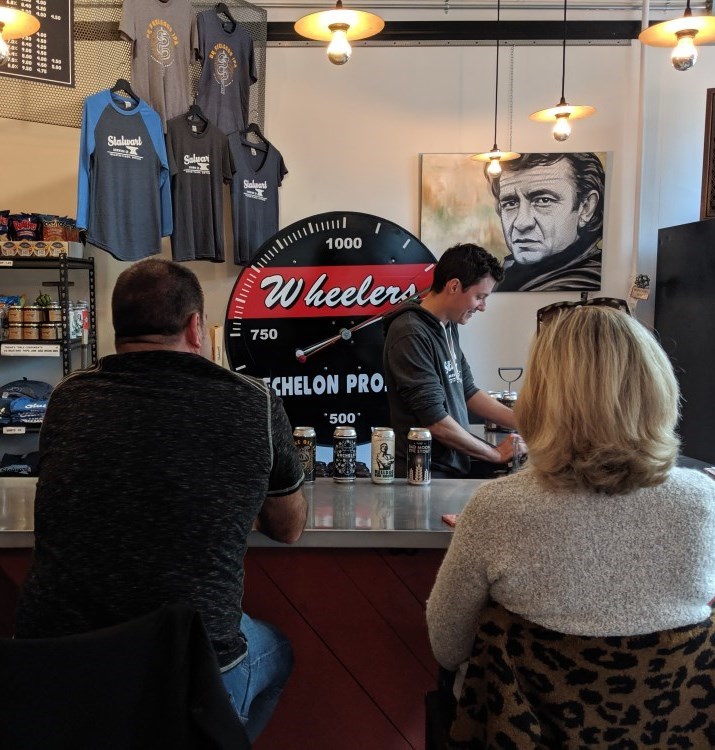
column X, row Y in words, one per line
column 340, row 515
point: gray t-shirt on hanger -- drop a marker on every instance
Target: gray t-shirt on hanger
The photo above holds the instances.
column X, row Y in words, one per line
column 200, row 163
column 228, row 70
column 254, row 195
column 163, row 36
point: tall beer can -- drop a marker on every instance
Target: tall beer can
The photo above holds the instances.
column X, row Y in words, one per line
column 304, row 438
column 382, row 455
column 344, row 454
column 419, row 456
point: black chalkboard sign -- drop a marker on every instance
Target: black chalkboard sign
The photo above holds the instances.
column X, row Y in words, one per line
column 48, row 55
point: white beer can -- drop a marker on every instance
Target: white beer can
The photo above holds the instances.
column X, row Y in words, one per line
column 383, row 455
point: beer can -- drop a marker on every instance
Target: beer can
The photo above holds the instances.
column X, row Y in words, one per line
column 304, row 438
column 419, row 456
column 382, row 455
column 344, row 454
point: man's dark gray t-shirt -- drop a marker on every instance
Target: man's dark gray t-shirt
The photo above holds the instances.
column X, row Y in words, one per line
column 154, row 466
column 200, row 163
column 254, row 195
column 227, row 72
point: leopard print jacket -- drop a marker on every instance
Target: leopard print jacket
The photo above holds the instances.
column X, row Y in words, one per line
column 530, row 688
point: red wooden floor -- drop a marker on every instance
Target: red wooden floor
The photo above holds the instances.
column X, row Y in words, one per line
column 355, row 619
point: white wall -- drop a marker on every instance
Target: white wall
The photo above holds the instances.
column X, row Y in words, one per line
column 351, row 138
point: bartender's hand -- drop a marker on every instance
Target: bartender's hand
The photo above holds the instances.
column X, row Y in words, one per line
column 506, row 448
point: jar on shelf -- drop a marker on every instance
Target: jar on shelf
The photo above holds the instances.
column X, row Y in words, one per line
column 32, row 314
column 31, row 331
column 53, row 313
column 14, row 332
column 50, row 331
column 14, row 314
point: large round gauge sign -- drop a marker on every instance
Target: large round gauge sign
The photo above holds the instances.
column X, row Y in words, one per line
column 306, row 316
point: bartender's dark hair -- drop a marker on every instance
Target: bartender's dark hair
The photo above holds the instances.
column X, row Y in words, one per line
column 468, row 263
column 154, row 297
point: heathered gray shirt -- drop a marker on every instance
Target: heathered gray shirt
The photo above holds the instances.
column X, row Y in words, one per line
column 579, row 563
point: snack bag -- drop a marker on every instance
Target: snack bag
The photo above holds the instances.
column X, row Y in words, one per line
column 52, row 228
column 24, row 227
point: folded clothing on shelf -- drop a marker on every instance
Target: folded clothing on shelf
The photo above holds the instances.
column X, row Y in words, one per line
column 23, row 401
column 12, row 465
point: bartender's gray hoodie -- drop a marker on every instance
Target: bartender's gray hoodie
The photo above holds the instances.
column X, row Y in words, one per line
column 425, row 382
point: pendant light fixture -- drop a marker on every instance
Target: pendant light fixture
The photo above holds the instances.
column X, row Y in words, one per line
column 562, row 114
column 681, row 34
column 340, row 26
column 495, row 157
column 14, row 24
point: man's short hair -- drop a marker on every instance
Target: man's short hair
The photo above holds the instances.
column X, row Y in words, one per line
column 155, row 297
column 468, row 263
column 588, row 174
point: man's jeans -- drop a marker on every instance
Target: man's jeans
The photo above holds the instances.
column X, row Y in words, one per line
column 255, row 684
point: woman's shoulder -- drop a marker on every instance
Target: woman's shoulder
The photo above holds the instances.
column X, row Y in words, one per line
column 691, row 481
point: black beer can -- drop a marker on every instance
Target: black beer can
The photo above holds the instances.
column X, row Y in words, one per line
column 344, row 454
column 304, row 438
column 419, row 456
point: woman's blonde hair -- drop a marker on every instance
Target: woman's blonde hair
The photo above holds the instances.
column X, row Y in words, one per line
column 599, row 403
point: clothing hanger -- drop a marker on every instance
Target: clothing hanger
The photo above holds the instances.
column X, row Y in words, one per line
column 222, row 9
column 196, row 113
column 123, row 85
column 254, row 128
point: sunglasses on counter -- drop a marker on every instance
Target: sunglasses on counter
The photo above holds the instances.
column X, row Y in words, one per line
column 545, row 314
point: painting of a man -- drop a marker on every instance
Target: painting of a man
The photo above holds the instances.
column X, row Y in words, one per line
column 551, row 210
column 543, row 217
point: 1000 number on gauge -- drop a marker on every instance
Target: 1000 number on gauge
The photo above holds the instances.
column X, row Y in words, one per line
column 303, row 316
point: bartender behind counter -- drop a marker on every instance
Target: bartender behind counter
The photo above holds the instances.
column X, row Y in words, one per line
column 429, row 383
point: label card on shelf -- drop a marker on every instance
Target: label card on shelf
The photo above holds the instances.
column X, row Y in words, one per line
column 13, row 430
column 6, row 263
column 29, row 350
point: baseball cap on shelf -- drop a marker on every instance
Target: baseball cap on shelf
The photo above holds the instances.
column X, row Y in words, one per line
column 35, row 389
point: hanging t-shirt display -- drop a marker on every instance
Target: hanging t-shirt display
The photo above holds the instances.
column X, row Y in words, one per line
column 123, row 187
column 200, row 163
column 163, row 36
column 228, row 69
column 254, row 194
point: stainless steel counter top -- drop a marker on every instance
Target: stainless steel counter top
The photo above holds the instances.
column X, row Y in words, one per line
column 17, row 511
column 354, row 514
column 363, row 514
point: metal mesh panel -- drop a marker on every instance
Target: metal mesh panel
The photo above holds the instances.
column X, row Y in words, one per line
column 101, row 57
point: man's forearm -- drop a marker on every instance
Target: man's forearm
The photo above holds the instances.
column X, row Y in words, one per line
column 450, row 433
column 483, row 405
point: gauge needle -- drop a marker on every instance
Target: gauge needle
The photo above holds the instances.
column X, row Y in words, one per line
column 345, row 334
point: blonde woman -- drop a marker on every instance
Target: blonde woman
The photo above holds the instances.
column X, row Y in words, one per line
column 602, row 535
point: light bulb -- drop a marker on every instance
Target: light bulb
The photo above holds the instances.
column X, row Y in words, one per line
column 685, row 53
column 562, row 128
column 4, row 51
column 494, row 168
column 339, row 49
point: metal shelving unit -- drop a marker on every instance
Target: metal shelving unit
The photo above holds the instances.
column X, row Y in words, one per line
column 64, row 265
